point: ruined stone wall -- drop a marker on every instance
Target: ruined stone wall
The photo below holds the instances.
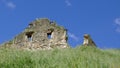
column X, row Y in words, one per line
column 88, row 41
column 42, row 34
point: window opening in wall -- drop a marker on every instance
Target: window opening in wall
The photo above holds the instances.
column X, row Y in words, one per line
column 49, row 35
column 29, row 35
column 31, row 25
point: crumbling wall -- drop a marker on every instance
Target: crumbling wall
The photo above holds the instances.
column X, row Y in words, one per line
column 88, row 41
column 42, row 34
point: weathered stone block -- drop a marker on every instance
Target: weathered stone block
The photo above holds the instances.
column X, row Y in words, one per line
column 88, row 41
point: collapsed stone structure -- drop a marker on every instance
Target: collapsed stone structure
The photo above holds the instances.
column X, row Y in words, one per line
column 41, row 34
column 44, row 34
column 88, row 41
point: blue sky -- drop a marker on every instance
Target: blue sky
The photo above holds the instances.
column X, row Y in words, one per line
column 99, row 18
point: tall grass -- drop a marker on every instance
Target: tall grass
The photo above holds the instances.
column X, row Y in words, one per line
column 79, row 57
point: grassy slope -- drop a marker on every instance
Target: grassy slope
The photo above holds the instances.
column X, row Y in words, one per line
column 80, row 57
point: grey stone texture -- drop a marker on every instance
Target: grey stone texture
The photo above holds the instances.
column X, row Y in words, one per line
column 41, row 34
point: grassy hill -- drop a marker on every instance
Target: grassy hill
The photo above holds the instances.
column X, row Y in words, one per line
column 79, row 57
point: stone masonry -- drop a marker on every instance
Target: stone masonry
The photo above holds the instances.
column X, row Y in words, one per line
column 41, row 34
column 88, row 41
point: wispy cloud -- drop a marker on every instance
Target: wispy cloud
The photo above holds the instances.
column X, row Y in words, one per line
column 118, row 29
column 73, row 36
column 117, row 22
column 68, row 3
column 9, row 4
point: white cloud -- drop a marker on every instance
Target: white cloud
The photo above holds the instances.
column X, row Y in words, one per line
column 71, row 35
column 9, row 4
column 68, row 3
column 117, row 21
column 118, row 29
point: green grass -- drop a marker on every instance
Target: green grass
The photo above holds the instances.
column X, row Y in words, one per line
column 79, row 57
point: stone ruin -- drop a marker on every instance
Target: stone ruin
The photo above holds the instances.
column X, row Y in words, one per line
column 41, row 34
column 44, row 34
column 88, row 41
